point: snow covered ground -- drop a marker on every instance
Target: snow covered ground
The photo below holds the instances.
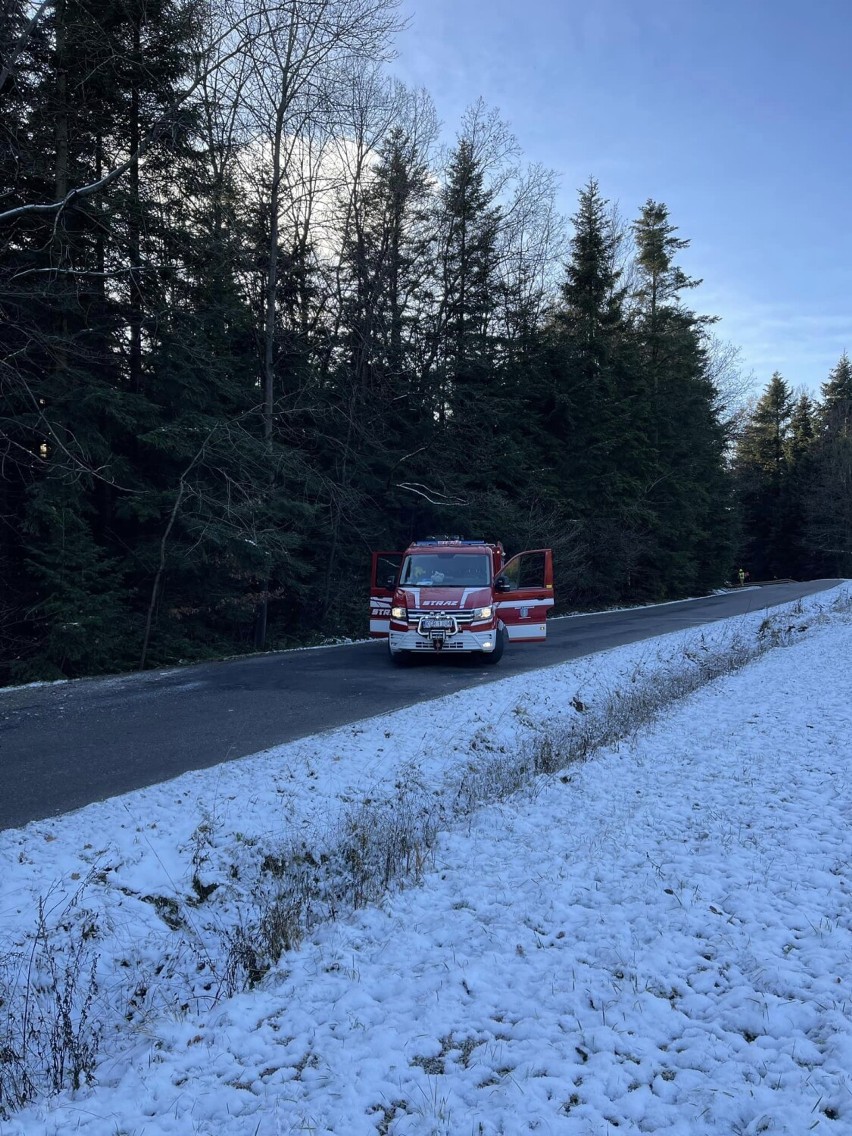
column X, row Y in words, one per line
column 657, row 940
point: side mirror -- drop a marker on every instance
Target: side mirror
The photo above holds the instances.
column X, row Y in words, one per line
column 502, row 584
column 390, row 582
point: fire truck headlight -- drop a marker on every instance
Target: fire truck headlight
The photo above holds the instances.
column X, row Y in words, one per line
column 399, row 613
column 483, row 613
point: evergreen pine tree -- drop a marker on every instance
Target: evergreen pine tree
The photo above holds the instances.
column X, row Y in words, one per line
column 828, row 505
column 469, row 220
column 836, row 406
column 587, row 421
column 686, row 489
column 799, row 453
column 761, row 463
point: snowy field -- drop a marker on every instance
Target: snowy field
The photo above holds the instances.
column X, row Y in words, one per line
column 655, row 940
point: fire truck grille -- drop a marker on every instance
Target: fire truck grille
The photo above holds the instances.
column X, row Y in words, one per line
column 461, row 617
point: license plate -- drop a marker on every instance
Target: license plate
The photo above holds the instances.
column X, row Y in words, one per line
column 437, row 623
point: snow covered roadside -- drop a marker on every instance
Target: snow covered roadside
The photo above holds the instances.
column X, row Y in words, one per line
column 654, row 940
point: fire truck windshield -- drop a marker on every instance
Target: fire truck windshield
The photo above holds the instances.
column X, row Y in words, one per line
column 446, row 570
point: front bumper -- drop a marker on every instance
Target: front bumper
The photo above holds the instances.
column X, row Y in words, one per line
column 482, row 642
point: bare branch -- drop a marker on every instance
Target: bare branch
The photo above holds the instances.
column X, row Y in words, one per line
column 7, row 70
column 433, row 496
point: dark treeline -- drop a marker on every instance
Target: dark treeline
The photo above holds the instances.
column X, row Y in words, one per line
column 255, row 322
column 793, row 469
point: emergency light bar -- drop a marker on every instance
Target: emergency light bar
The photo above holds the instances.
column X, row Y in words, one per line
column 447, row 540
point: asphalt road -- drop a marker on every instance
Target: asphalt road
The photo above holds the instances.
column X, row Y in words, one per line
column 65, row 745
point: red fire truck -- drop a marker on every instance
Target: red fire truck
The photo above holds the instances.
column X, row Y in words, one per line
column 461, row 596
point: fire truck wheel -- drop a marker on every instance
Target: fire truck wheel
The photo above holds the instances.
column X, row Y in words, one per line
column 399, row 658
column 497, row 654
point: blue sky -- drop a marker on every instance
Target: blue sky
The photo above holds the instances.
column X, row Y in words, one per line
column 736, row 113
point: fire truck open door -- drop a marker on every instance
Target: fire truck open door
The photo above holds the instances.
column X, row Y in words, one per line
column 383, row 576
column 524, row 606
